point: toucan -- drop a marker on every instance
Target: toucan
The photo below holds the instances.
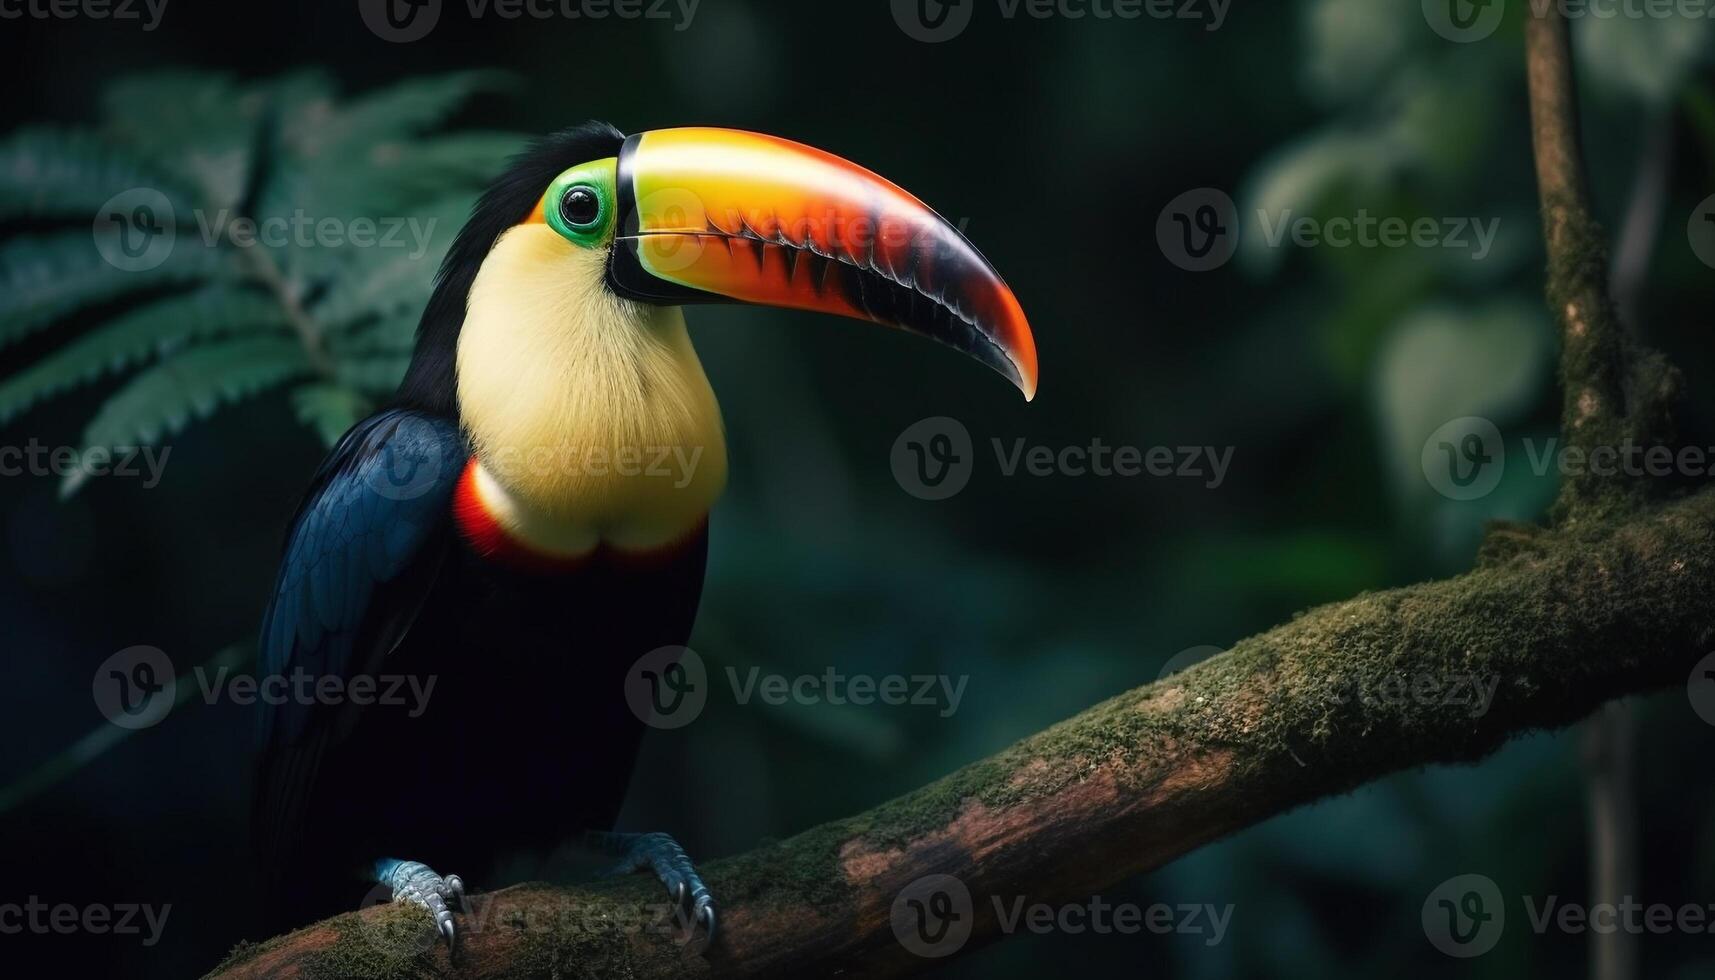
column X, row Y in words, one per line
column 501, row 531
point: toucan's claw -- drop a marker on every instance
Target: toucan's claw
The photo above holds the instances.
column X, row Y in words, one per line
column 702, row 913
column 417, row 883
column 662, row 855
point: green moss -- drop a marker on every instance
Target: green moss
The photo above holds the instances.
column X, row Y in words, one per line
column 1553, row 623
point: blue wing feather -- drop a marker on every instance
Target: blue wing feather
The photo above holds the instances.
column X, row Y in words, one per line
column 376, row 506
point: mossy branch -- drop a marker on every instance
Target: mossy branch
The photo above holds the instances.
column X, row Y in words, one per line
column 1615, row 392
column 1552, row 623
column 1312, row 708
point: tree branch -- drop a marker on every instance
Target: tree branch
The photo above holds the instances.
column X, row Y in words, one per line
column 1614, row 393
column 1560, row 624
column 1551, row 623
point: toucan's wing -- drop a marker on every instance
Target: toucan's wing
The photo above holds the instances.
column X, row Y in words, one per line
column 362, row 554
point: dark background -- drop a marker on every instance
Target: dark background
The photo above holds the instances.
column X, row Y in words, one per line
column 1058, row 141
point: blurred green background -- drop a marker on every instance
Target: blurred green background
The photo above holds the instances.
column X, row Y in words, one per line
column 1056, row 142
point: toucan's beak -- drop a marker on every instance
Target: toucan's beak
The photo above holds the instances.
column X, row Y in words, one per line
column 718, row 214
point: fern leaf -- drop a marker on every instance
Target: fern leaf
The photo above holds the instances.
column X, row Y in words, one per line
column 201, row 125
column 50, row 172
column 329, row 409
column 155, row 329
column 164, row 398
column 385, row 281
column 42, row 279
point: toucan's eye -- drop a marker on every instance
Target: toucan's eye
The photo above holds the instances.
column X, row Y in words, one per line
column 580, row 206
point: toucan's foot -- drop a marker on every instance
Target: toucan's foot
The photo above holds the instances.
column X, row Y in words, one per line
column 417, row 883
column 662, row 854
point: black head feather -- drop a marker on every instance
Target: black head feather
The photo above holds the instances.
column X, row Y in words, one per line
column 430, row 381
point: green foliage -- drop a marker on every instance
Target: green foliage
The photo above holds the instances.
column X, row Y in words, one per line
column 164, row 397
column 305, row 235
column 131, row 338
